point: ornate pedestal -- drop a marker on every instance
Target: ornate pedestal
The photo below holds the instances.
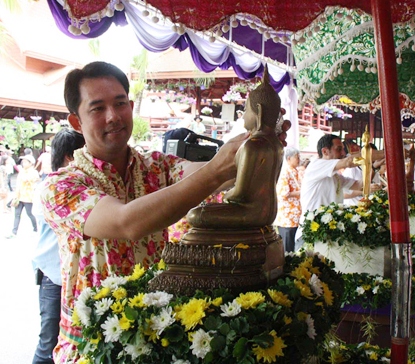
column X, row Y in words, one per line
column 205, row 259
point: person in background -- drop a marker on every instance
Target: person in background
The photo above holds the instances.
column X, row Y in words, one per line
column 4, row 190
column 322, row 184
column 44, row 163
column 237, row 128
column 288, row 197
column 197, row 125
column 25, row 186
column 10, row 167
column 46, row 261
column 108, row 179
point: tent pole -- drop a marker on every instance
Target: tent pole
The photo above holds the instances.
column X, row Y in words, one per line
column 398, row 196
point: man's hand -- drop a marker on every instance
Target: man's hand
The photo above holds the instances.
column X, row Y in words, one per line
column 286, row 125
column 378, row 163
column 375, row 187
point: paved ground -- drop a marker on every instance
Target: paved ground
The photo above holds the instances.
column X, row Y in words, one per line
column 19, row 308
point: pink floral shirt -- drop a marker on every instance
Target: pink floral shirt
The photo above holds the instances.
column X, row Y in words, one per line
column 289, row 208
column 68, row 199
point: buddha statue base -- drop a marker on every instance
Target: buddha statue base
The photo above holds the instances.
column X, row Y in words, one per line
column 206, row 259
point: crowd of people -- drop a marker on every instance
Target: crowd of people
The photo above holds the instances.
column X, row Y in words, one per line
column 79, row 241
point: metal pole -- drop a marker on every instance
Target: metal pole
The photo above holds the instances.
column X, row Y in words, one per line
column 398, row 196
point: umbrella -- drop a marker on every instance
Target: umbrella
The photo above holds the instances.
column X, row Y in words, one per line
column 293, row 16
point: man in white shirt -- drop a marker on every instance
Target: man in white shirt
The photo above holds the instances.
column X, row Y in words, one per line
column 322, row 184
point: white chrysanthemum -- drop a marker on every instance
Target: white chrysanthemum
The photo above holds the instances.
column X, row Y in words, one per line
column 112, row 329
column 141, row 348
column 340, row 206
column 355, row 218
column 103, row 305
column 310, row 216
column 341, row 226
column 84, row 313
column 158, row 299
column 361, row 227
column 378, row 279
column 201, row 343
column 162, row 320
column 230, row 309
column 375, row 290
column 360, row 290
column 316, row 285
column 113, row 282
column 179, row 361
column 339, row 212
column 384, row 360
column 326, row 218
column 320, row 209
column 311, row 332
column 84, row 296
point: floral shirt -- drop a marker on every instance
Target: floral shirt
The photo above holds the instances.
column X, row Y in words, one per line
column 289, row 208
column 25, row 184
column 69, row 196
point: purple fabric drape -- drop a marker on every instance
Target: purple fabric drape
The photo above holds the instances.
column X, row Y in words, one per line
column 63, row 21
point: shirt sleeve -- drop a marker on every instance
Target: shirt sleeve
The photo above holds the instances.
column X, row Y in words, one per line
column 68, row 198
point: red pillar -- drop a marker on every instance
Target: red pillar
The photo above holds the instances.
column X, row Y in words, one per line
column 398, row 196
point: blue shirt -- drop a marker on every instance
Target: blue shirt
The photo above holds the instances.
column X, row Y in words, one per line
column 46, row 255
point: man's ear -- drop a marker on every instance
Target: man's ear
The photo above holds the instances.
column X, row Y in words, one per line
column 75, row 122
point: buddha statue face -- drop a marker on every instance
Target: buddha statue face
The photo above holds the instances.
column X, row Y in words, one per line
column 263, row 106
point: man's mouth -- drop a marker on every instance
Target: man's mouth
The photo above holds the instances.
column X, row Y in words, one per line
column 114, row 131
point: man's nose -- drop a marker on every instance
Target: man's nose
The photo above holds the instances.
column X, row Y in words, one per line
column 112, row 115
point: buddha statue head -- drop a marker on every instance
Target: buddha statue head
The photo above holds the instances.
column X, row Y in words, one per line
column 264, row 103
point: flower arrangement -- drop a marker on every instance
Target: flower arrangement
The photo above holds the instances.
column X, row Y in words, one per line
column 206, row 111
column 122, row 322
column 365, row 227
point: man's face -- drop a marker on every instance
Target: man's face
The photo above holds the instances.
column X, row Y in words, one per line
column 104, row 117
column 335, row 152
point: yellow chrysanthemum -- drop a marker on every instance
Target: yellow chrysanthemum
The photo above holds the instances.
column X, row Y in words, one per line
column 217, row 301
column 314, row 226
column 117, row 307
column 305, row 290
column 137, row 272
column 192, row 313
column 287, row 320
column 348, row 215
column 301, row 272
column 250, row 299
column 328, row 294
column 119, row 293
column 161, row 265
column 269, row 355
column 75, row 318
column 84, row 360
column 104, row 292
column 332, row 225
column 165, row 343
column 373, row 356
column 97, row 339
column 125, row 323
column 280, row 298
column 137, row 301
column 367, row 287
column 302, row 316
column 148, row 331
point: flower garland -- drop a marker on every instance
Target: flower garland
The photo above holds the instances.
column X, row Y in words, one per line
column 365, row 227
column 123, row 322
column 85, row 162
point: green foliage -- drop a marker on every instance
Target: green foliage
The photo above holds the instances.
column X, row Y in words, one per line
column 140, row 129
column 14, row 134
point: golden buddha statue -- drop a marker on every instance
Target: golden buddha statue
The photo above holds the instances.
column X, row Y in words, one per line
column 251, row 202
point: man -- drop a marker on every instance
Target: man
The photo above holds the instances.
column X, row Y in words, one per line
column 46, row 258
column 111, row 207
column 44, row 163
column 288, row 195
column 322, row 184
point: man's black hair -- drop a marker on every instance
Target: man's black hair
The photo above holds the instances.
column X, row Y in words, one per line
column 326, row 141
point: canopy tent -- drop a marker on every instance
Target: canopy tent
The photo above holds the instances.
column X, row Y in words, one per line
column 294, row 16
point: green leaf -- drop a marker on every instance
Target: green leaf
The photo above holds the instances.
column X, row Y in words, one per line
column 263, row 340
column 213, row 323
column 174, row 333
column 241, row 349
column 130, row 313
column 218, row 343
column 224, row 329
